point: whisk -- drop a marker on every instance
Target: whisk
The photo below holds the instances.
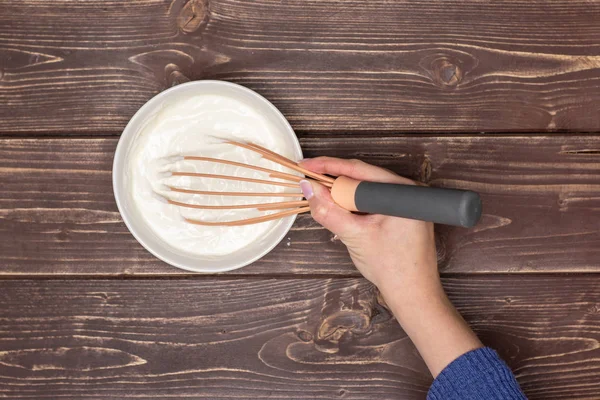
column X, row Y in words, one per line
column 439, row 205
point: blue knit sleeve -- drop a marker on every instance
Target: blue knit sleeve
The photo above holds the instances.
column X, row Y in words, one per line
column 477, row 375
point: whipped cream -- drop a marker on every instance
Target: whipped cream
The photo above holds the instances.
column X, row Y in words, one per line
column 190, row 126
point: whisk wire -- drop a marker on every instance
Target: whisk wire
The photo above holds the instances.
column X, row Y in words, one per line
column 289, row 207
column 234, row 178
column 258, row 206
column 249, row 221
column 235, row 194
column 286, row 162
column 271, row 172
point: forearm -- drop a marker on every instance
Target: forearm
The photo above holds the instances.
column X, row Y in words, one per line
column 405, row 270
column 423, row 310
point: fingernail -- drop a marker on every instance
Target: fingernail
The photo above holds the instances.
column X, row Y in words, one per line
column 304, row 159
column 307, row 189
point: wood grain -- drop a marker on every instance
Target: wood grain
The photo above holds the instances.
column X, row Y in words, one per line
column 58, row 214
column 329, row 65
column 279, row 339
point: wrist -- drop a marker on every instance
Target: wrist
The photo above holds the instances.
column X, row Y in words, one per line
column 412, row 286
column 415, row 298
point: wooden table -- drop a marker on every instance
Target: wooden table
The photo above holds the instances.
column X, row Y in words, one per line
column 501, row 97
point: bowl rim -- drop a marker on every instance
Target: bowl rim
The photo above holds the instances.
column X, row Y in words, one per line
column 121, row 154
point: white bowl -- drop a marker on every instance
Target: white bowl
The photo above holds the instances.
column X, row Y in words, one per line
column 138, row 227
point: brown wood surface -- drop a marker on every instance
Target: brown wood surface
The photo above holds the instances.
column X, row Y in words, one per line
column 329, row 65
column 59, row 216
column 279, row 339
column 356, row 79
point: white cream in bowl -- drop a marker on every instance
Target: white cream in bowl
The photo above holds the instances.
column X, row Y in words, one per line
column 186, row 122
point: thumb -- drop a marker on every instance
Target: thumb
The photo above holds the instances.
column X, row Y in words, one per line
column 326, row 212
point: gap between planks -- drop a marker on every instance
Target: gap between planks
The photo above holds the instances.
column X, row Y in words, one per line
column 314, row 135
column 232, row 277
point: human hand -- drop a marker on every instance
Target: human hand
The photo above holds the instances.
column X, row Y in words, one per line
column 398, row 255
column 393, row 253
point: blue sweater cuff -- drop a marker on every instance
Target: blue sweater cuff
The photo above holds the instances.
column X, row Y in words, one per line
column 477, row 375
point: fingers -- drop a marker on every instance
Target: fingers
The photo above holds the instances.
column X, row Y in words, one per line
column 324, row 210
column 353, row 169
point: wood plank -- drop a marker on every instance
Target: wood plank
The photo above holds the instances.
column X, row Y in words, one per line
column 329, row 65
column 58, row 214
column 279, row 339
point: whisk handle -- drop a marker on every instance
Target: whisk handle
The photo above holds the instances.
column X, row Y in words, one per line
column 438, row 205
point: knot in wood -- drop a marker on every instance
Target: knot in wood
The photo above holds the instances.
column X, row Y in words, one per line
column 446, row 73
column 348, row 317
column 341, row 327
column 63, row 234
column 304, row 336
column 594, row 309
column 344, row 321
column 425, row 174
column 562, row 202
column 448, row 67
column 174, row 76
column 192, row 16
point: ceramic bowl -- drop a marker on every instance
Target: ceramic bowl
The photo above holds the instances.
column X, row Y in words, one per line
column 136, row 224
